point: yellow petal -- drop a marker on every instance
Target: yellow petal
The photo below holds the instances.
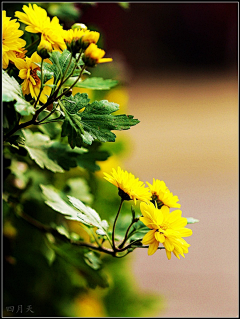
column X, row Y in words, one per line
column 149, row 237
column 168, row 253
column 168, row 245
column 159, row 237
column 23, row 73
column 185, row 232
column 152, row 248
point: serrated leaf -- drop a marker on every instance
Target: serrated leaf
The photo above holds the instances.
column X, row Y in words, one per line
column 12, row 91
column 93, row 83
column 91, row 217
column 37, row 145
column 47, row 74
column 81, row 213
column 191, row 220
column 61, row 63
column 95, row 122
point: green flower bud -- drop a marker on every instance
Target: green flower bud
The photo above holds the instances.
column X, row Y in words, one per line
column 44, row 48
column 79, row 26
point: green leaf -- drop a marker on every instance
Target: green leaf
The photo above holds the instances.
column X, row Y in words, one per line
column 68, row 158
column 191, row 220
column 37, row 146
column 88, row 215
column 54, row 200
column 47, row 72
column 93, row 83
column 95, row 123
column 64, row 11
column 92, row 259
column 61, row 64
column 11, row 91
column 16, row 141
column 78, row 187
column 76, row 256
column 83, row 214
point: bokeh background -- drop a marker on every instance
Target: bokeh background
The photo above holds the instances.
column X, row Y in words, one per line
column 182, row 64
column 178, row 64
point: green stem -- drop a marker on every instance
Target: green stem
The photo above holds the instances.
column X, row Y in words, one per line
column 129, row 246
column 53, row 98
column 40, row 122
column 41, row 88
column 55, row 233
column 69, row 63
column 65, row 92
column 114, row 225
column 134, row 220
column 73, row 68
column 95, row 238
column 33, row 43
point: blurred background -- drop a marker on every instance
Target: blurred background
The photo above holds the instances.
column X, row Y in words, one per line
column 182, row 64
column 178, row 65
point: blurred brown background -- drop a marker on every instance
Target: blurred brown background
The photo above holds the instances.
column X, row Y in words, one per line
column 180, row 64
column 181, row 60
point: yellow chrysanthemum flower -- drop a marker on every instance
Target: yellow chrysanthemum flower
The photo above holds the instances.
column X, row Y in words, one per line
column 93, row 55
column 11, row 41
column 90, row 37
column 38, row 21
column 70, row 35
column 166, row 228
column 129, row 186
column 32, row 83
column 86, row 36
column 162, row 195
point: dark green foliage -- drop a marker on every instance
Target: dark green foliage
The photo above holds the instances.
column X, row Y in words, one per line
column 95, row 123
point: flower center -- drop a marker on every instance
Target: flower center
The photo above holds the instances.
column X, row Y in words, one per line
column 163, row 227
column 157, row 200
column 33, row 73
column 123, row 195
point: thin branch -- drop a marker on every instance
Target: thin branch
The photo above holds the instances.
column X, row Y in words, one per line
column 114, row 225
column 48, row 229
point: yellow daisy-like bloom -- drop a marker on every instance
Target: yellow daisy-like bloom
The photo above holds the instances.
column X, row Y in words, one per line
column 90, row 37
column 166, row 228
column 70, row 35
column 162, row 195
column 129, row 186
column 11, row 41
column 86, row 36
column 32, row 83
column 38, row 21
column 93, row 55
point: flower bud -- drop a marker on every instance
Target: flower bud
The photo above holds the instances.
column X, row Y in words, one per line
column 89, row 37
column 79, row 26
column 44, row 48
column 93, row 55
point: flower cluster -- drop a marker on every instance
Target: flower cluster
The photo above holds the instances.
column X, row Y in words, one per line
column 52, row 38
column 12, row 44
column 165, row 227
